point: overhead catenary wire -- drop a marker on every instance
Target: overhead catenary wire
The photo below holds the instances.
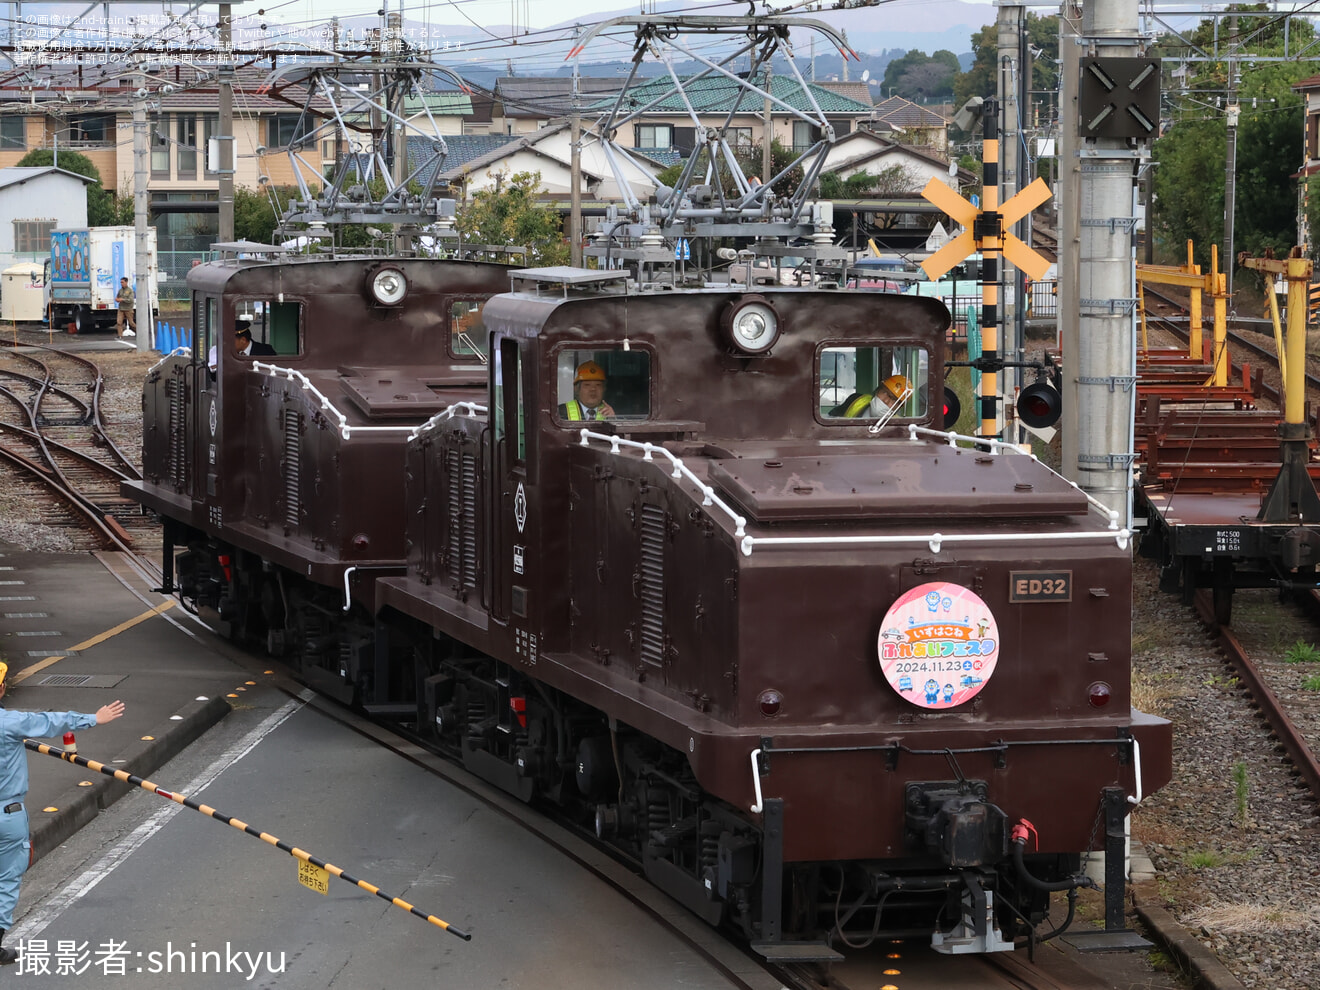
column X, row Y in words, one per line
column 299, row 854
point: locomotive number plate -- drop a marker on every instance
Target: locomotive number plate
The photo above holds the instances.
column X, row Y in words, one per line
column 1039, row 586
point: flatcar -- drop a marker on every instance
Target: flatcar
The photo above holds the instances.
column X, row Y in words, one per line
column 825, row 672
column 262, row 475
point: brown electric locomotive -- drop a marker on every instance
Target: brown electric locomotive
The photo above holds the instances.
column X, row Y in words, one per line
column 275, row 457
column 695, row 565
column 824, row 673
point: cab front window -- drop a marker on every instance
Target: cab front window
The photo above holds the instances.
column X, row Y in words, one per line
column 871, row 382
column 603, row 383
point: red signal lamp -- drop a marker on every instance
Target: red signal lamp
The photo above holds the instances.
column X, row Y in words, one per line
column 952, row 408
column 1039, row 405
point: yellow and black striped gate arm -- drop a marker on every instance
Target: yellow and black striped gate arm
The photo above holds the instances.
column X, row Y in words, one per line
column 187, row 802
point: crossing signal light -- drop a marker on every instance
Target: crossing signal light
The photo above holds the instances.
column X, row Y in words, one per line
column 952, row 408
column 1039, row 405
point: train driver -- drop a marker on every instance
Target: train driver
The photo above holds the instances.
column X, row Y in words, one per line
column 588, row 400
column 245, row 346
column 891, row 394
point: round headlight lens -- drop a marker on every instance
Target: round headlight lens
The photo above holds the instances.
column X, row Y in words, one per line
column 754, row 327
column 389, row 286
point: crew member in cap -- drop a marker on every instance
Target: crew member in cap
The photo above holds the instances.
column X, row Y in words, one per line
column 245, row 346
column 14, row 845
column 588, row 400
column 891, row 394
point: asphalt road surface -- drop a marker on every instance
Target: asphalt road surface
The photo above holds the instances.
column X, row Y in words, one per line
column 152, row 894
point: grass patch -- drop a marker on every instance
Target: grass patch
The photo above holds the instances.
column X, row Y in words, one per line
column 1151, row 693
column 1240, row 794
column 1302, row 652
column 1204, row 859
column 1311, row 683
column 1251, row 919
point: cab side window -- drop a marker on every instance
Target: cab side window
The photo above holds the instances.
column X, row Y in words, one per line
column 869, row 382
column 603, row 383
column 275, row 327
column 467, row 332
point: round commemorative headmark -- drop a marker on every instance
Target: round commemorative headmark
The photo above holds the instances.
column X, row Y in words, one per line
column 938, row 645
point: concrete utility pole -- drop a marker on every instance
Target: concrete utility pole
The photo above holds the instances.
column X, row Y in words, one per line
column 225, row 137
column 1228, row 260
column 142, row 256
column 1065, row 198
column 575, row 171
column 1012, row 69
column 1105, row 368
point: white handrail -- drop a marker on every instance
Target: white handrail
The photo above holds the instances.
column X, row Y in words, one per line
column 471, row 408
column 1000, row 447
column 681, row 470
column 346, row 430
column 756, row 783
column 177, row 352
column 936, row 540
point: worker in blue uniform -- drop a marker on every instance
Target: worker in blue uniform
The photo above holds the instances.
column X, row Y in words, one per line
column 14, row 844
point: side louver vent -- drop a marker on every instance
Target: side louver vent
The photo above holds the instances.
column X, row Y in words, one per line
column 178, row 447
column 292, row 469
column 463, row 518
column 651, row 587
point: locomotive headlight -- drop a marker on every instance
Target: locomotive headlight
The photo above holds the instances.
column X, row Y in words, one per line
column 753, row 326
column 388, row 286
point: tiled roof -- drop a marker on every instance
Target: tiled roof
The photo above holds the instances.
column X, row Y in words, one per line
column 447, row 102
column 463, row 148
column 905, row 113
column 859, row 91
column 718, row 94
column 548, row 96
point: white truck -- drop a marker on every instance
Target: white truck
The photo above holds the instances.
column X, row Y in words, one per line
column 83, row 273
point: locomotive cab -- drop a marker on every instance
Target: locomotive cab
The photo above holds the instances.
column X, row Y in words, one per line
column 267, row 443
column 751, row 614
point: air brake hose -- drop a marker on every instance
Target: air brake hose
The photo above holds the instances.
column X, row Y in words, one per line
column 1019, row 834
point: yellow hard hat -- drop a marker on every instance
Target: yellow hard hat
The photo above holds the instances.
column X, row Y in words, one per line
column 589, row 371
column 898, row 385
column 4, row 671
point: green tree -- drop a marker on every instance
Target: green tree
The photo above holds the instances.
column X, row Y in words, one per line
column 897, row 180
column 507, row 215
column 1192, row 153
column 982, row 78
column 100, row 203
column 255, row 218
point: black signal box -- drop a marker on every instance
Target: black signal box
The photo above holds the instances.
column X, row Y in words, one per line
column 1119, row 98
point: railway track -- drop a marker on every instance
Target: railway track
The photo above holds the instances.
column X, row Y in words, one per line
column 53, row 435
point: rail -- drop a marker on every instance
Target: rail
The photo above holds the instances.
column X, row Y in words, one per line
column 681, row 470
column 346, row 430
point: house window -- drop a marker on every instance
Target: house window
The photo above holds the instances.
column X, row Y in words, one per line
column 92, row 128
column 13, row 133
column 804, row 135
column 160, row 149
column 33, row 235
column 187, row 147
column 739, row 137
column 655, row 135
column 283, row 129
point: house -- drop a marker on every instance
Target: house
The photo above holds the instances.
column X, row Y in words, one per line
column 667, row 124
column 35, row 201
column 913, row 124
column 865, row 151
column 525, row 104
column 53, row 107
column 548, row 151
